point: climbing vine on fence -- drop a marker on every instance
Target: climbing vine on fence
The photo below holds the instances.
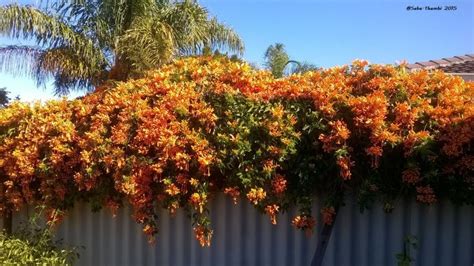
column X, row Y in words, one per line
column 200, row 126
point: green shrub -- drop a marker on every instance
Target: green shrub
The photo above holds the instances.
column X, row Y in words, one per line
column 33, row 244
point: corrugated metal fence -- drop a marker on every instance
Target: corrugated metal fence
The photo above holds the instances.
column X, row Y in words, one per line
column 245, row 237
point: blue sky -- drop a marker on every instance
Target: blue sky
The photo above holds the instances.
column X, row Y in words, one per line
column 329, row 33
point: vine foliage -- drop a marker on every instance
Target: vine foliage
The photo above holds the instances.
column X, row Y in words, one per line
column 205, row 125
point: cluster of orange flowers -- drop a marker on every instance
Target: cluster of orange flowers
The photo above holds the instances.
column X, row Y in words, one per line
column 411, row 176
column 425, row 194
column 304, row 222
column 203, row 235
column 175, row 137
column 279, row 184
column 328, row 214
column 256, row 195
column 233, row 192
column 198, row 201
column 272, row 211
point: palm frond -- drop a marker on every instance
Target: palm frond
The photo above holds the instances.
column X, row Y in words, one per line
column 69, row 70
column 88, row 18
column 64, row 84
column 19, row 60
column 62, row 64
column 148, row 44
column 27, row 22
column 193, row 29
column 188, row 21
column 221, row 36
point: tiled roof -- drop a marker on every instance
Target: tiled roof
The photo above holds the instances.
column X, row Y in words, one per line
column 456, row 64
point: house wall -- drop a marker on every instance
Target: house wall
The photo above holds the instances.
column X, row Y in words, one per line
column 242, row 236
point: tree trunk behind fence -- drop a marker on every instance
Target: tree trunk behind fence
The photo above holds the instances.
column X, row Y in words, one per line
column 323, row 242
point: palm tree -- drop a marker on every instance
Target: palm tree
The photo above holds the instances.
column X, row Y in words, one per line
column 276, row 59
column 83, row 43
column 279, row 63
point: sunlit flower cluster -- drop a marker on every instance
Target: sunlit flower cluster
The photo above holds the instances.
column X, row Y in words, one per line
column 256, row 195
column 272, row 211
column 304, row 222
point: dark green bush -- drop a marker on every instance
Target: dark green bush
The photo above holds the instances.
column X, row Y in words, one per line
column 33, row 244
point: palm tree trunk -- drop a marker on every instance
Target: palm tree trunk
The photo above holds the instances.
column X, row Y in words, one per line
column 121, row 69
